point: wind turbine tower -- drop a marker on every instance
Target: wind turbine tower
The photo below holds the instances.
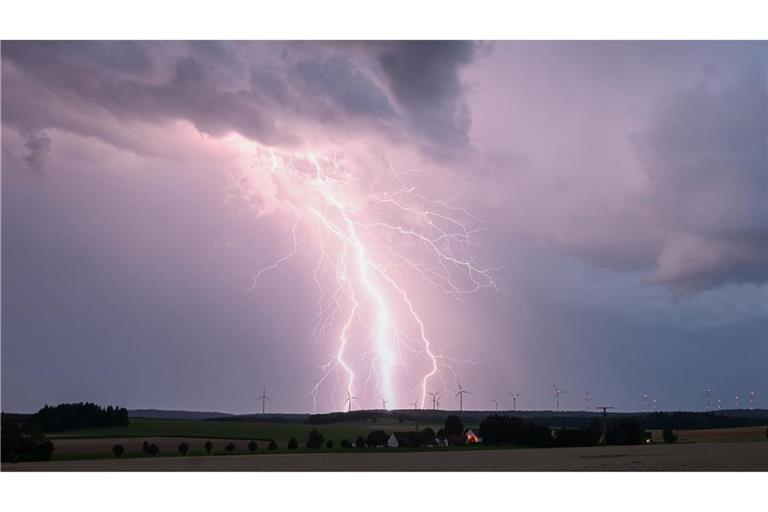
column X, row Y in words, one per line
column 514, row 400
column 349, row 401
column 588, row 401
column 496, row 401
column 460, row 395
column 556, row 396
column 263, row 399
column 709, row 399
column 435, row 399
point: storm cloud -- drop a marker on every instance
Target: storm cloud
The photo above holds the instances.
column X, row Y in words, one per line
column 621, row 189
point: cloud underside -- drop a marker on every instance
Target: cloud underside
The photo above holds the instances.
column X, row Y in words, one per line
column 706, row 155
column 701, row 223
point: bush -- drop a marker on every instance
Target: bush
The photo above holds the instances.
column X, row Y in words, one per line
column 315, row 439
column 345, row 443
column 230, row 447
column 208, row 447
column 118, row 451
column 513, row 430
column 252, row 446
column 360, row 442
column 329, row 444
column 625, row 431
column 145, row 447
column 183, row 448
column 574, row 437
column 454, row 426
column 23, row 441
column 377, row 438
column 293, row 444
column 153, row 449
column 670, row 436
column 272, row 445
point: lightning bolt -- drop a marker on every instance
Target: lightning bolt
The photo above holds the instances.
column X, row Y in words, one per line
column 368, row 242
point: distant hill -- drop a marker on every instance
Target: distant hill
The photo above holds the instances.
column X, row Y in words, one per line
column 160, row 414
column 679, row 419
column 266, row 418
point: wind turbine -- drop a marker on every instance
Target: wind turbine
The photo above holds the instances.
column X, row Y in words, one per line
column 736, row 402
column 751, row 400
column 514, row 400
column 719, row 404
column 496, row 401
column 349, row 401
column 437, row 402
column 588, row 400
column 654, row 405
column 709, row 399
column 263, row 399
column 415, row 404
column 435, row 399
column 556, row 396
column 645, row 402
column 460, row 394
column 383, row 402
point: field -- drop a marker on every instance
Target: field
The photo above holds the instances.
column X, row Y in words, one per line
column 245, row 430
column 167, row 434
column 715, row 456
column 742, row 448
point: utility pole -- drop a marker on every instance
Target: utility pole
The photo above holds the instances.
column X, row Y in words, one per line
column 604, row 437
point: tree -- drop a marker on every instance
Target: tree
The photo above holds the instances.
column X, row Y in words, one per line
column 23, row 441
column 208, row 447
column 252, row 446
column 183, row 448
column 272, row 445
column 360, row 442
column 345, row 443
column 454, row 426
column 377, row 438
column 315, row 439
column 230, row 447
column 329, row 444
column 669, row 435
column 153, row 449
column 513, row 430
column 118, row 450
column 145, row 447
column 79, row 415
column 293, row 444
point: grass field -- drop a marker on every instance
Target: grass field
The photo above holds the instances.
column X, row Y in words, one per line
column 732, row 456
column 167, row 434
column 97, row 443
column 245, row 430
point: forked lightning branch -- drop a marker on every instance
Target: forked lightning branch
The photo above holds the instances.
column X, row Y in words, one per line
column 373, row 249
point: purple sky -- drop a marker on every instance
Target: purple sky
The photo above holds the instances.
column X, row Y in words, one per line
column 621, row 187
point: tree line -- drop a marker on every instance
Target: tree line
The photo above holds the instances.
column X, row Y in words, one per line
column 79, row 415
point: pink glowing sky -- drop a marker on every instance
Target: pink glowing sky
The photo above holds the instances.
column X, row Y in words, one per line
column 621, row 188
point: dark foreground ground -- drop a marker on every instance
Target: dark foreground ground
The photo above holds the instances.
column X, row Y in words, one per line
column 725, row 456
